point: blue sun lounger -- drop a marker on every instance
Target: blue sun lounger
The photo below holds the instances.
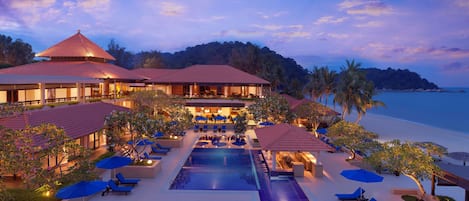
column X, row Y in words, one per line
column 112, row 186
column 353, row 196
column 215, row 128
column 159, row 151
column 123, row 180
column 162, row 147
column 147, row 156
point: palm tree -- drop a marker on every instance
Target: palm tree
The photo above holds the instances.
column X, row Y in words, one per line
column 315, row 86
column 328, row 81
column 354, row 91
column 368, row 102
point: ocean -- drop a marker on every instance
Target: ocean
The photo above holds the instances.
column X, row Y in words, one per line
column 448, row 109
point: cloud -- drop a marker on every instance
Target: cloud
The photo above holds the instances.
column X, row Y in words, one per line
column 462, row 3
column 8, row 24
column 171, row 9
column 372, row 8
column 208, row 19
column 329, row 20
column 240, row 34
column 293, row 34
column 93, row 6
column 337, row 35
column 274, row 27
column 28, row 4
column 273, row 15
column 370, row 24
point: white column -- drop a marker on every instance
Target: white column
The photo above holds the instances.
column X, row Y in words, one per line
column 42, row 92
column 274, row 160
column 190, row 90
column 260, row 93
column 225, row 91
column 79, row 95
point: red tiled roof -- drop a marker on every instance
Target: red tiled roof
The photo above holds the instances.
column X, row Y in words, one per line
column 217, row 74
column 76, row 46
column 88, row 69
column 286, row 137
column 153, row 74
column 294, row 103
column 77, row 120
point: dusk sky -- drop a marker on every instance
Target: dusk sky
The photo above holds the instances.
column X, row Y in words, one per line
column 429, row 37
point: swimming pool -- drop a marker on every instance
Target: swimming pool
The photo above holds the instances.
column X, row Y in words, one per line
column 217, row 169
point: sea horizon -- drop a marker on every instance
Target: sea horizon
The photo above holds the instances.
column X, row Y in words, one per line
column 446, row 109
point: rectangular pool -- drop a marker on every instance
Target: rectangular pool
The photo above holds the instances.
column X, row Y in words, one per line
column 217, row 169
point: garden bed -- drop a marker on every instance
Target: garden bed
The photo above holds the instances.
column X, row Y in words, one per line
column 141, row 171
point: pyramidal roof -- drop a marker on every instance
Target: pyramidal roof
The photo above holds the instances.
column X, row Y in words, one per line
column 76, row 46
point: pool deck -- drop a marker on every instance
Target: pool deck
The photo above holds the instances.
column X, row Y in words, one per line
column 316, row 189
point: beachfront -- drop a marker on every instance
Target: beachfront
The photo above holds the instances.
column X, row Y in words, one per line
column 316, row 189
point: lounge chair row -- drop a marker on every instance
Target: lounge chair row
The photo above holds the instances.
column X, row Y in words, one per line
column 205, row 128
column 123, row 185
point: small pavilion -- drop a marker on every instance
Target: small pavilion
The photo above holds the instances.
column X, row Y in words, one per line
column 288, row 138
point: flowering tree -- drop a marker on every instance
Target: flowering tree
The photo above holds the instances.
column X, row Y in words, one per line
column 352, row 136
column 273, row 108
column 408, row 159
column 240, row 124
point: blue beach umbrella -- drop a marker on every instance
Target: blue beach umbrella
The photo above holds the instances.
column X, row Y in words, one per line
column 322, row 131
column 200, row 118
column 158, row 134
column 113, row 162
column 81, row 189
column 361, row 175
column 220, row 118
column 141, row 142
column 266, row 123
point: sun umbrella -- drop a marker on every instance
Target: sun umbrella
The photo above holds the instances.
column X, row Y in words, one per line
column 266, row 123
column 142, row 142
column 158, row 134
column 113, row 162
column 220, row 118
column 81, row 189
column 322, row 131
column 200, row 118
column 361, row 175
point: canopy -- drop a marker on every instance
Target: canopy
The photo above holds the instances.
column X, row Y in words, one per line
column 81, row 189
column 266, row 123
column 286, row 137
column 361, row 175
column 113, row 162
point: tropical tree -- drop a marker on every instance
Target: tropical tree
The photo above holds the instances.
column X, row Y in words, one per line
column 13, row 53
column 273, row 108
column 328, row 81
column 240, row 124
column 354, row 91
column 123, row 58
column 312, row 112
column 353, row 137
column 408, row 159
column 315, row 87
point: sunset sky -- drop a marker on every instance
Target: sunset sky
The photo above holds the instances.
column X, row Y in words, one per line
column 430, row 37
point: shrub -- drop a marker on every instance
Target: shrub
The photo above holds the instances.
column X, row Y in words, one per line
column 28, row 195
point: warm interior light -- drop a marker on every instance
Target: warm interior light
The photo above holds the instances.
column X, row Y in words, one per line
column 47, row 193
column 149, row 162
column 175, row 137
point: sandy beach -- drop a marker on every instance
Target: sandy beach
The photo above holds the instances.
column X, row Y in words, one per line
column 389, row 128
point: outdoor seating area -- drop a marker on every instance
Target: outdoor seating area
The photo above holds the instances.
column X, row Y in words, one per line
column 215, row 128
column 223, row 140
column 356, row 195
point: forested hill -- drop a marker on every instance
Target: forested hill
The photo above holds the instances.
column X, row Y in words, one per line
column 397, row 79
column 283, row 73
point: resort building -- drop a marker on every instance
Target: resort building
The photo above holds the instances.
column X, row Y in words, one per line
column 76, row 70
column 82, row 122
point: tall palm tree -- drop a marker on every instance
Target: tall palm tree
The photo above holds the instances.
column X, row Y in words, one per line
column 328, row 81
column 368, row 102
column 315, row 86
column 354, row 91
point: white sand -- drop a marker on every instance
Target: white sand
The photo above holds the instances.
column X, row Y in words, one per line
column 389, row 128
